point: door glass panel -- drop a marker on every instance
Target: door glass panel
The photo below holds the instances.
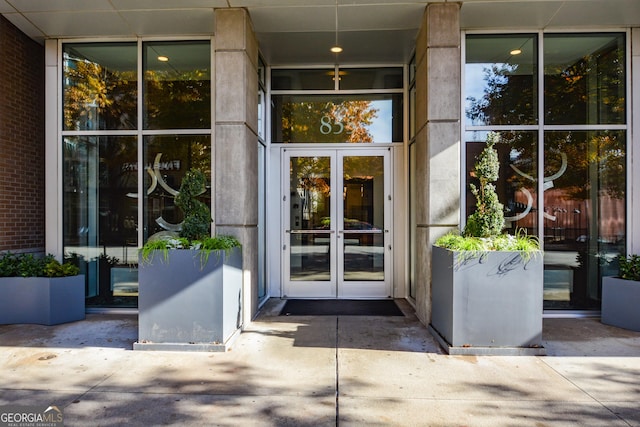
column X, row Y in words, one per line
column 363, row 209
column 310, row 218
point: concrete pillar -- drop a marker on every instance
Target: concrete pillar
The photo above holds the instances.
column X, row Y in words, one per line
column 437, row 172
column 236, row 142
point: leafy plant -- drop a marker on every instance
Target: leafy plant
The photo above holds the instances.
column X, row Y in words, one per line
column 195, row 232
column 28, row 265
column 488, row 219
column 53, row 268
column 205, row 246
column 197, row 215
column 483, row 231
column 629, row 267
column 163, row 245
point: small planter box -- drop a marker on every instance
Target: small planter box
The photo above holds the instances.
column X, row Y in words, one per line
column 487, row 305
column 42, row 300
column 621, row 303
column 184, row 305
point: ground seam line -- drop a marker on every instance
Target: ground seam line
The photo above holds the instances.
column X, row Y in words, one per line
column 585, row 392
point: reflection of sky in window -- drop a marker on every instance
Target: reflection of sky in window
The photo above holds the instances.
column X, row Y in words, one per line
column 380, row 129
column 475, row 84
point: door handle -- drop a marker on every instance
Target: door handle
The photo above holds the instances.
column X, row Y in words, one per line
column 309, row 231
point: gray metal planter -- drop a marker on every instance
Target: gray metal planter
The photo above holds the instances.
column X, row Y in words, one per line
column 42, row 300
column 621, row 303
column 487, row 305
column 188, row 304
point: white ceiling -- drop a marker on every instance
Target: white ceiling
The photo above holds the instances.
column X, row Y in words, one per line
column 301, row 31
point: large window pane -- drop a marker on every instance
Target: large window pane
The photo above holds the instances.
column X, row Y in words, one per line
column 501, row 79
column 584, row 79
column 334, row 118
column 517, row 183
column 100, row 215
column 584, row 217
column 100, row 86
column 167, row 159
column 177, row 85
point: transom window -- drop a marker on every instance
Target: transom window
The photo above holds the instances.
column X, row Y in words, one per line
column 337, row 105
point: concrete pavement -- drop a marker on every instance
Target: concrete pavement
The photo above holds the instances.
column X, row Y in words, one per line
column 322, row 371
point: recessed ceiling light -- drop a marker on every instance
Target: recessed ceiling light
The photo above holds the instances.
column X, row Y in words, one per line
column 336, row 49
column 515, row 52
column 163, row 58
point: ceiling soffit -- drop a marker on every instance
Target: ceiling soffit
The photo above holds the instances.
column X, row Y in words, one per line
column 301, row 31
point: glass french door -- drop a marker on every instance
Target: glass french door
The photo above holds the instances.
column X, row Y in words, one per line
column 336, row 223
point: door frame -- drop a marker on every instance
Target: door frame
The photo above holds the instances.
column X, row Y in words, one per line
column 336, row 287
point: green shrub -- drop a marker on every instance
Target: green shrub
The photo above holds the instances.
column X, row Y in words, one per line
column 205, row 246
column 629, row 267
column 197, row 215
column 53, row 268
column 488, row 218
column 195, row 232
column 483, row 231
column 28, row 265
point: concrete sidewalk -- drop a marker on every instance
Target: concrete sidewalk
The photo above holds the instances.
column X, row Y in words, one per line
column 322, row 371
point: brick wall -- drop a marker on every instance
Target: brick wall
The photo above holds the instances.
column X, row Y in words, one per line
column 22, row 210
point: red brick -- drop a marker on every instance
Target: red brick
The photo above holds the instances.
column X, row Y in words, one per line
column 22, row 213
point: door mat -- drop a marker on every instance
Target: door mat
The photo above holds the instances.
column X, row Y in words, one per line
column 340, row 307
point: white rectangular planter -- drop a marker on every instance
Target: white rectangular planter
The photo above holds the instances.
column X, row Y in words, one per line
column 187, row 304
column 490, row 304
column 621, row 303
column 42, row 300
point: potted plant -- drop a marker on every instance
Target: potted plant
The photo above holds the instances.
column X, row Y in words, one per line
column 39, row 290
column 190, row 285
column 621, row 295
column 487, row 286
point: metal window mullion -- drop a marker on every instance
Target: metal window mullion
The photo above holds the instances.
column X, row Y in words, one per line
column 463, row 129
column 541, row 137
column 630, row 246
column 212, row 134
column 140, row 142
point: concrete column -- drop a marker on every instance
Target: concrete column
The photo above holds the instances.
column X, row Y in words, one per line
column 235, row 145
column 437, row 172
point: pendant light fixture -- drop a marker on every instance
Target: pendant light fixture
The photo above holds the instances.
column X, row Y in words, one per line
column 336, row 47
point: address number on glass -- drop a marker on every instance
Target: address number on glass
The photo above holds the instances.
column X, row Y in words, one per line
column 327, row 126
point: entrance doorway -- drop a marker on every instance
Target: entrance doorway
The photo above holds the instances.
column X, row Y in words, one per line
column 336, row 223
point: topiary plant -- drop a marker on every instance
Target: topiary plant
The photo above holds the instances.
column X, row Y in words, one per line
column 629, row 267
column 483, row 231
column 197, row 215
column 488, row 219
